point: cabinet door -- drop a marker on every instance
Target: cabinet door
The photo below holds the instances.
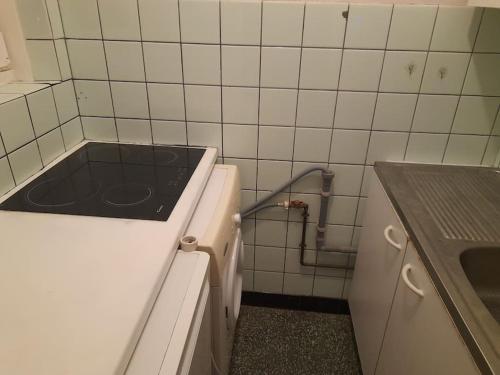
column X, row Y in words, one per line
column 378, row 263
column 421, row 337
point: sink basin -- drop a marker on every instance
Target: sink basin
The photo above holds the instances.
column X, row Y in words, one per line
column 482, row 267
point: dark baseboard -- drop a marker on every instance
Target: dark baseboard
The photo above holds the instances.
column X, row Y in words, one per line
column 305, row 303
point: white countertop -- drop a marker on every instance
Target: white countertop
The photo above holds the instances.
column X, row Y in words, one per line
column 75, row 291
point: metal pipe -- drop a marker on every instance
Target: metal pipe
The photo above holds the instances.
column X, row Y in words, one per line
column 256, row 209
column 285, row 185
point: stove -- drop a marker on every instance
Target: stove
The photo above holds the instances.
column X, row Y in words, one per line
column 111, row 180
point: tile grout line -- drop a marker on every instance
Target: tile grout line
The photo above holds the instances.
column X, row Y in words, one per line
column 144, row 70
column 420, row 85
column 107, row 72
column 462, row 87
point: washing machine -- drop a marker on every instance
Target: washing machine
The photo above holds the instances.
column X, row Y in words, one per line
column 216, row 229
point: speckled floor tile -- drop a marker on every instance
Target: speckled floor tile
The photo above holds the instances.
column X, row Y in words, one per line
column 273, row 341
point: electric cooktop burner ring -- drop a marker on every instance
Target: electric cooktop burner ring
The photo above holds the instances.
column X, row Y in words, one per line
column 110, row 196
column 34, row 201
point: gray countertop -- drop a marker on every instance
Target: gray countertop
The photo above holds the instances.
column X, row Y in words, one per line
column 447, row 210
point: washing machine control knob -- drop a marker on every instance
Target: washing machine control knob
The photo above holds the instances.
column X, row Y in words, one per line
column 237, row 220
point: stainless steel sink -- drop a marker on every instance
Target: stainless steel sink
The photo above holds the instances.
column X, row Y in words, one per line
column 482, row 267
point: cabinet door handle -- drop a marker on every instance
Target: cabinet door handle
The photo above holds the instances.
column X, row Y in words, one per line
column 404, row 273
column 387, row 235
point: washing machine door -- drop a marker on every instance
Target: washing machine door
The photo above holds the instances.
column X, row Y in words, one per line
column 234, row 282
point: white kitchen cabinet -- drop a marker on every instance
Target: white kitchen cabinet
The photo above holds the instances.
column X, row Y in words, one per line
column 421, row 337
column 378, row 264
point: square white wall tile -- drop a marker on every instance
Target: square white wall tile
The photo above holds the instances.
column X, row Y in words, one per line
column 270, row 233
column 51, row 146
column 205, row 134
column 310, row 183
column 269, row 258
column 278, row 107
column 275, row 142
column 159, row 20
column 99, row 129
column 456, row 28
column 347, row 179
column 199, row 21
column 330, row 287
column 312, row 145
column 94, row 98
column 55, row 18
column 124, row 60
column 63, row 59
column 361, row 70
column 201, row 64
column 240, row 105
column 316, row 108
column 386, row 146
column 402, row 71
column 34, row 19
column 282, row 23
column 273, row 173
column 355, row 110
column 411, row 27
column 320, row 68
column 295, row 284
column 444, row 73
column 324, row 25
column 240, row 65
column 247, row 284
column 72, row 132
column 43, row 111
column 87, row 59
column 80, row 19
column 368, row 176
column 240, row 141
column 163, row 62
column 166, row 101
column 130, row 99
column 203, row 103
column 268, row 282
column 487, row 38
column 134, row 131
column 274, row 213
column 368, row 25
column 169, row 132
column 490, row 157
column 248, row 173
column 64, row 95
column 482, row 75
column 349, row 146
column 43, row 58
column 15, row 112
column 248, row 261
column 280, row 67
column 6, row 179
column 342, row 210
column 475, row 115
column 294, row 235
column 248, row 231
column 426, row 148
column 119, row 19
column 314, row 202
column 394, row 112
column 25, row 162
column 240, row 22
column 465, row 149
column 292, row 261
column 434, row 113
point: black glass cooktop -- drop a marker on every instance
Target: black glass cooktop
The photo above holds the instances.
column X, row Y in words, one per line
column 111, row 180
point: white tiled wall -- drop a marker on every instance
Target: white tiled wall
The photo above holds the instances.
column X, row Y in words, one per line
column 281, row 85
column 38, row 122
